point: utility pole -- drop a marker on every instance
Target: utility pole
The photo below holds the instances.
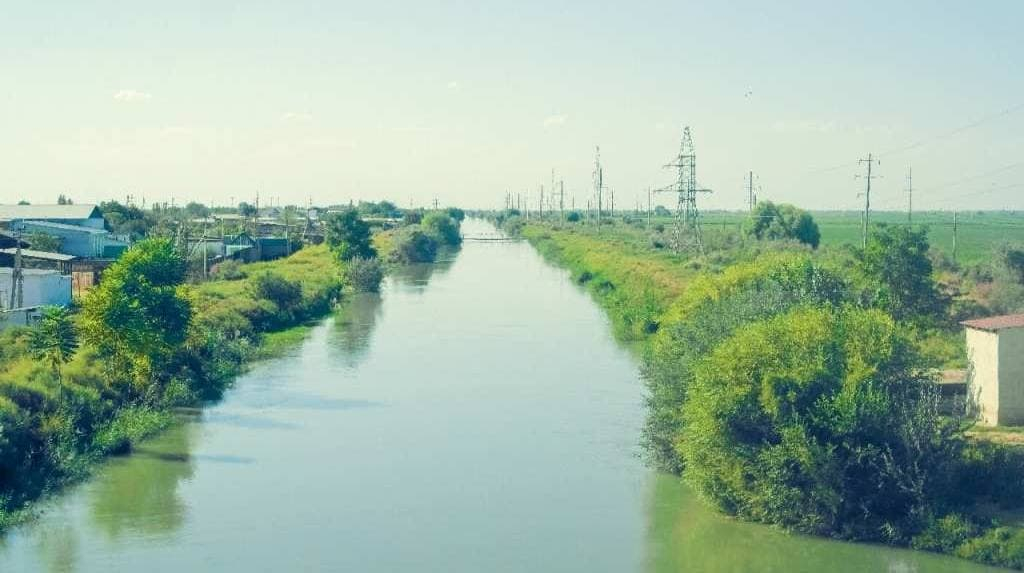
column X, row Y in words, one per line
column 867, row 200
column 561, row 199
column 598, row 181
column 17, row 280
column 910, row 195
column 954, row 236
column 751, row 198
column 648, row 208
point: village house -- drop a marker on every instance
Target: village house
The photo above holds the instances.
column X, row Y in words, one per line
column 995, row 378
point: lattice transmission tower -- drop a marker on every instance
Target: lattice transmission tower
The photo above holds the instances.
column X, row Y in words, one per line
column 687, row 232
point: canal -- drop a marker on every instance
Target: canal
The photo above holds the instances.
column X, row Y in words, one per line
column 477, row 415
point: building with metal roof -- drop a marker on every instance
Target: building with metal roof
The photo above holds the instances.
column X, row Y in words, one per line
column 78, row 215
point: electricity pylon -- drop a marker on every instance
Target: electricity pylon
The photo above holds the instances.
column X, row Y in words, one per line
column 687, row 227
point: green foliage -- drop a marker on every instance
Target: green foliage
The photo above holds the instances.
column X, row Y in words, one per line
column 443, row 228
column 412, row 218
column 364, row 275
column 816, row 420
column 899, row 275
column 55, row 339
column 457, row 214
column 771, row 221
column 40, row 241
column 944, row 535
column 138, row 315
column 411, row 245
column 229, row 270
column 711, row 309
column 1003, row 546
column 127, row 219
column 283, row 298
column 1007, row 296
column 348, row 235
column 573, row 217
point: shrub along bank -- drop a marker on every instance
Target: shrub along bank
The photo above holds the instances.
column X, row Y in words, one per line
column 146, row 342
column 792, row 387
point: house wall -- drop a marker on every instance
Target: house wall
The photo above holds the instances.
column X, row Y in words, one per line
column 39, row 288
column 1011, row 377
column 72, row 242
column 983, row 375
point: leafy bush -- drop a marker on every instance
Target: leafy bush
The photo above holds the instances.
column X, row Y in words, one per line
column 282, row 298
column 364, row 275
column 458, row 215
column 817, row 420
column 944, row 535
column 411, row 245
column 711, row 309
column 229, row 270
column 573, row 217
column 771, row 221
column 443, row 228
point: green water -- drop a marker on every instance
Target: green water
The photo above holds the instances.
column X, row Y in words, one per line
column 476, row 416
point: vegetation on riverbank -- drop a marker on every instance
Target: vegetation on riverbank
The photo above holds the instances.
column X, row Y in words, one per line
column 148, row 343
column 794, row 386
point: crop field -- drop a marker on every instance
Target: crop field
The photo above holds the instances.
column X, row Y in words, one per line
column 978, row 232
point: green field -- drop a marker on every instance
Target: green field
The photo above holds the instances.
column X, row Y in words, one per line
column 978, row 232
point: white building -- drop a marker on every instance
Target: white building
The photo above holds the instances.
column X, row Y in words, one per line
column 39, row 288
column 995, row 378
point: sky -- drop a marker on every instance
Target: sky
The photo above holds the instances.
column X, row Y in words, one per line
column 462, row 101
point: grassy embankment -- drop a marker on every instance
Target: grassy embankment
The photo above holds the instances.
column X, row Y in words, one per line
column 54, row 429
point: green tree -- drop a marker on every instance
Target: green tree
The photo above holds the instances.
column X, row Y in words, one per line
column 138, row 315
column 455, row 213
column 444, row 228
column 41, row 241
column 899, row 274
column 349, row 236
column 55, row 339
column 411, row 245
column 771, row 221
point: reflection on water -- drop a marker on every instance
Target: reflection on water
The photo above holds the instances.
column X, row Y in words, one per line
column 139, row 494
column 353, row 326
column 415, row 277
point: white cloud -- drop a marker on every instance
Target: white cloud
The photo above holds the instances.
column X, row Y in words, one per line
column 555, row 120
column 296, row 117
column 132, row 96
column 453, row 85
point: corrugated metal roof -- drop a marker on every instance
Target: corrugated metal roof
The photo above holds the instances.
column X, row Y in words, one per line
column 50, row 225
column 41, row 255
column 9, row 212
column 995, row 323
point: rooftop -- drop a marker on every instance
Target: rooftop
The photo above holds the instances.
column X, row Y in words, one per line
column 42, row 255
column 29, row 272
column 996, row 323
column 8, row 212
column 50, row 225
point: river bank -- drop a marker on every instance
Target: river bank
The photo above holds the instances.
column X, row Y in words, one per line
column 57, row 429
column 668, row 303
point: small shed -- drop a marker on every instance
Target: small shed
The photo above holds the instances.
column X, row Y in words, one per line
column 995, row 378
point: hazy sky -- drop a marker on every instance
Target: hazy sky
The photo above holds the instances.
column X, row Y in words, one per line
column 462, row 100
